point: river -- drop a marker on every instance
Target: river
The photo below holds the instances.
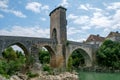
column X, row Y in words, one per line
column 98, row 76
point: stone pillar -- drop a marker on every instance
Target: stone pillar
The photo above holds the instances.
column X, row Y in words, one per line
column 88, row 62
column 94, row 50
column 67, row 55
column 59, row 56
column 35, row 53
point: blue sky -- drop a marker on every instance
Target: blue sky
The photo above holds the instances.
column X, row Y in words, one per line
column 31, row 17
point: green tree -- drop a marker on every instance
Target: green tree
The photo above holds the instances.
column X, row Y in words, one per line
column 44, row 56
column 108, row 54
column 76, row 59
column 13, row 61
column 9, row 54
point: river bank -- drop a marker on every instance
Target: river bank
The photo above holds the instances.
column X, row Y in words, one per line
column 43, row 76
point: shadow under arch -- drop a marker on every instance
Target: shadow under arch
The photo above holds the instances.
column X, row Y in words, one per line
column 52, row 55
column 87, row 59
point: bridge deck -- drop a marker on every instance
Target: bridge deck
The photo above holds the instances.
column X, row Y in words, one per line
column 22, row 38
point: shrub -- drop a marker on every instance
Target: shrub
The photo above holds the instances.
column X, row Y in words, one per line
column 46, row 67
column 32, row 75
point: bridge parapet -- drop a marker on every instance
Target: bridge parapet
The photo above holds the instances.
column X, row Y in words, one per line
column 80, row 44
column 20, row 38
column 23, row 42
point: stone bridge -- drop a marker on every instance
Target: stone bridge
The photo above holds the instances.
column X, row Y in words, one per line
column 89, row 49
column 59, row 48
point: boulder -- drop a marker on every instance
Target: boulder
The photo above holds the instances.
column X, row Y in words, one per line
column 15, row 77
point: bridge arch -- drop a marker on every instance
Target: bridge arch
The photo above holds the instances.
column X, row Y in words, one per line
column 86, row 55
column 52, row 55
column 50, row 49
column 19, row 44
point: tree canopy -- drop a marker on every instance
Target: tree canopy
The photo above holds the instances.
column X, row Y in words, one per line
column 108, row 55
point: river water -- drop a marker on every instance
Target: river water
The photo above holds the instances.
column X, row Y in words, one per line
column 98, row 76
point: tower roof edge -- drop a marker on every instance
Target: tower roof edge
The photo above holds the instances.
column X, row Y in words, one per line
column 56, row 9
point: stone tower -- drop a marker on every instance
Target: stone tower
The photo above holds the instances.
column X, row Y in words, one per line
column 58, row 24
column 58, row 32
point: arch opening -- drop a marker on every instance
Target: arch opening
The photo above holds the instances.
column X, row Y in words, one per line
column 79, row 58
column 54, row 34
column 47, row 56
column 14, row 56
column 18, row 47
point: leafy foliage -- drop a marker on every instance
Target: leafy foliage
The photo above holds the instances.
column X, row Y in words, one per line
column 9, row 54
column 12, row 62
column 44, row 56
column 76, row 59
column 32, row 75
column 108, row 54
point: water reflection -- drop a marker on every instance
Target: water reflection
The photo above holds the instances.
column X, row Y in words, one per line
column 98, row 76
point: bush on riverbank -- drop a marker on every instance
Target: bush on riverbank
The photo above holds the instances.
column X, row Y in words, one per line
column 108, row 55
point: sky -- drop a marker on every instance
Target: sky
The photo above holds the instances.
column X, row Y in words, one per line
column 31, row 17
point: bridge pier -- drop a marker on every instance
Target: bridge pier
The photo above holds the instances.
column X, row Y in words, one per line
column 57, row 60
column 35, row 53
column 88, row 63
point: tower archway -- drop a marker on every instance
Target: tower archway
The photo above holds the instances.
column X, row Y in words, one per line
column 54, row 34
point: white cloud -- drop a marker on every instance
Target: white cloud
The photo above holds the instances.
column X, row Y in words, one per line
column 99, row 20
column 85, row 27
column 72, row 30
column 84, row 7
column 4, row 7
column 107, row 22
column 72, row 16
column 88, row 7
column 34, row 6
column 45, row 7
column 81, row 20
column 26, row 31
column 3, row 4
column 64, row 3
column 77, row 19
column 77, row 39
column 18, row 13
column 15, row 12
column 43, row 19
column 114, row 6
column 1, row 16
column 116, row 16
